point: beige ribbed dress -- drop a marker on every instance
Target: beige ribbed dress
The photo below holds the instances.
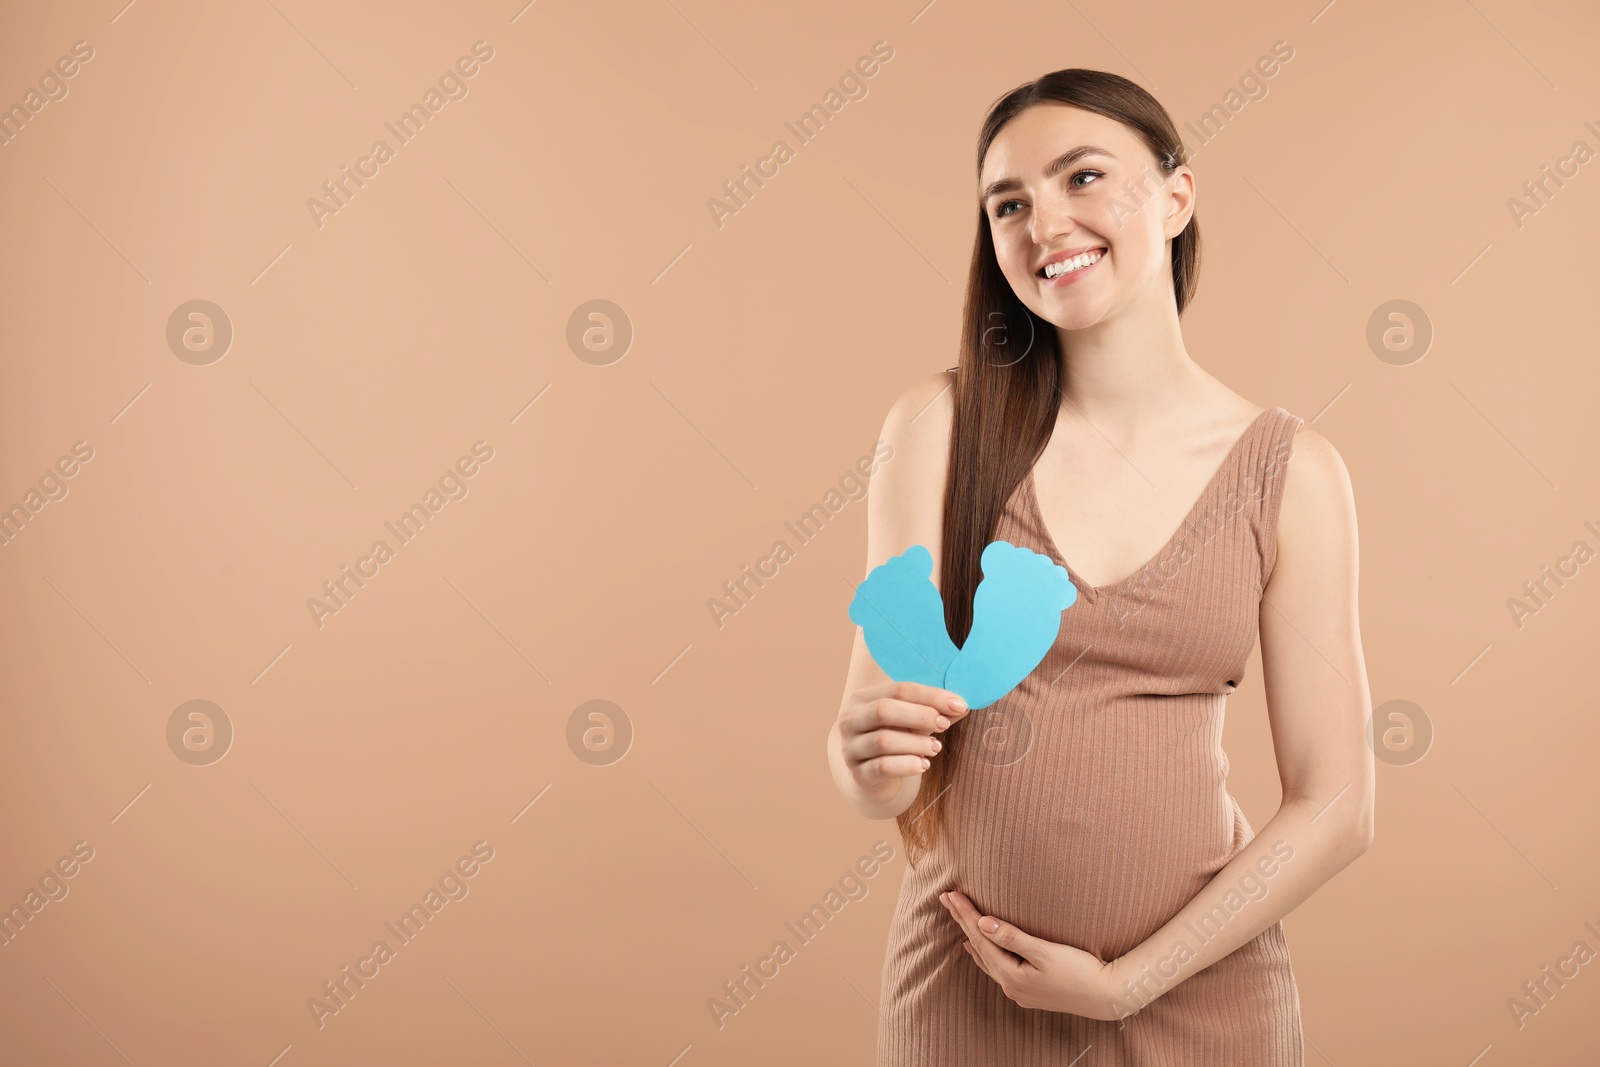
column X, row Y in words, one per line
column 1090, row 804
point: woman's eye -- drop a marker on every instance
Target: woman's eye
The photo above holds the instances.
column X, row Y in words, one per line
column 1000, row 211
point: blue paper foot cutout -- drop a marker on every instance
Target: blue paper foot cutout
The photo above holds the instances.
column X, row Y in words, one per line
column 1016, row 615
column 902, row 618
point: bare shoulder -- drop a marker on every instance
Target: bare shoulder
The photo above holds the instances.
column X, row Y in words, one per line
column 923, row 413
column 1317, row 512
column 905, row 502
column 1318, row 481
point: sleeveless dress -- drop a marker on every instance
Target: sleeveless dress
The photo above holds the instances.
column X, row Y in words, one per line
column 1090, row 804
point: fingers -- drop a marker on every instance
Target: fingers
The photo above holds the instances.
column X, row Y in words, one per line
column 1010, row 939
column 988, row 929
column 949, row 904
column 884, row 754
column 910, row 706
column 948, row 900
column 879, row 743
column 892, row 733
column 884, row 768
column 995, row 961
column 967, row 915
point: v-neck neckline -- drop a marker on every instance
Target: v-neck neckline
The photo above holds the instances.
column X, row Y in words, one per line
column 1093, row 592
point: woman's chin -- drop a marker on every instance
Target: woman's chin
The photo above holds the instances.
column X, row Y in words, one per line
column 1070, row 315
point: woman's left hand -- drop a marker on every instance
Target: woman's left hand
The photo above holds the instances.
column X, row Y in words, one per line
column 1033, row 972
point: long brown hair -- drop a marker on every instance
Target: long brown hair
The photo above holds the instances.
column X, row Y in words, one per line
column 1008, row 384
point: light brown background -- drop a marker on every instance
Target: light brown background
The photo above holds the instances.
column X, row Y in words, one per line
column 371, row 753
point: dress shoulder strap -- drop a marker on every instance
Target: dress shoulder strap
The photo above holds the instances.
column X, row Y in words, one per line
column 1271, row 466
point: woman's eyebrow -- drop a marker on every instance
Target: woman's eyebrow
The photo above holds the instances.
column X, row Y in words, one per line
column 1054, row 167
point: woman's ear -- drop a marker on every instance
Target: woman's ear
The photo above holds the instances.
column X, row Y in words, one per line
column 1180, row 196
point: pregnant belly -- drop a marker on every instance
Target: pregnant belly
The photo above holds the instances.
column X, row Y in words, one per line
column 1095, row 861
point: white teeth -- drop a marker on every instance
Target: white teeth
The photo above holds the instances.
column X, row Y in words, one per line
column 1067, row 266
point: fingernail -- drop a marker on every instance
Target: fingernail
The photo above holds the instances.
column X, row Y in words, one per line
column 936, row 745
column 991, row 925
column 957, row 704
column 925, row 763
column 942, row 723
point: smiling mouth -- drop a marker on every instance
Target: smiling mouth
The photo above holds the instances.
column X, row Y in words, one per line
column 1061, row 268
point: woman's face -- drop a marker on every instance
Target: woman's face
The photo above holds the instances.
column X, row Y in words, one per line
column 1106, row 197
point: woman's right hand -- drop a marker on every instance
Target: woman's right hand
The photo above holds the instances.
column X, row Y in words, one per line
column 889, row 732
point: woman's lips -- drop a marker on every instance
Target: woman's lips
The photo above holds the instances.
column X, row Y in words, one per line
column 1062, row 280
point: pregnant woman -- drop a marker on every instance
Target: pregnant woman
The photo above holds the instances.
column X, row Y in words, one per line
column 1083, row 889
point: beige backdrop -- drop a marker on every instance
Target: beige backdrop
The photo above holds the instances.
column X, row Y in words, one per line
column 634, row 455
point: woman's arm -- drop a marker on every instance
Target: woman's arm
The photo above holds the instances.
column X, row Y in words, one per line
column 905, row 507
column 1318, row 706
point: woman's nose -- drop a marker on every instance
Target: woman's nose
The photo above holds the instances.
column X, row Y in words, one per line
column 1052, row 217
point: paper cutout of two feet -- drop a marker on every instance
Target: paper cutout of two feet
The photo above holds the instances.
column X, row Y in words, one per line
column 1016, row 615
